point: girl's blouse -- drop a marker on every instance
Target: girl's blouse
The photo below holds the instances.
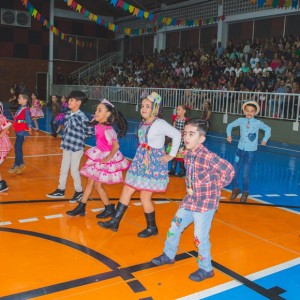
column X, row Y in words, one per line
column 158, row 132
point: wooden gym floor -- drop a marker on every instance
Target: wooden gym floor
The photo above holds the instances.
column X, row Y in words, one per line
column 46, row 254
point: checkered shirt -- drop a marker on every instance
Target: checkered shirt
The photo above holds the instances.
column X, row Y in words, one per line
column 209, row 174
column 76, row 131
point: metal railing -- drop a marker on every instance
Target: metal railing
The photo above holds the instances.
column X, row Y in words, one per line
column 273, row 105
column 96, row 67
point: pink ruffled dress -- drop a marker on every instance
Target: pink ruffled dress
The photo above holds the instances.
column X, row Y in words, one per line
column 36, row 110
column 5, row 144
column 110, row 172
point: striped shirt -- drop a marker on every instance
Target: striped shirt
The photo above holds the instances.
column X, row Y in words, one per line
column 76, row 131
column 207, row 173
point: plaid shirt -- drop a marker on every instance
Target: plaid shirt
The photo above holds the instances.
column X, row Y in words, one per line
column 208, row 173
column 76, row 131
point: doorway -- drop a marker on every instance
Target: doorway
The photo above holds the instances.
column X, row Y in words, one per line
column 42, row 85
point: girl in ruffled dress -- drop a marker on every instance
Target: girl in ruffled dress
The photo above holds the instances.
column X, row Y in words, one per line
column 5, row 144
column 148, row 171
column 60, row 118
column 36, row 110
column 105, row 162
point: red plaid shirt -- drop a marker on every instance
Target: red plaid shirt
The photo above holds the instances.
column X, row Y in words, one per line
column 208, row 173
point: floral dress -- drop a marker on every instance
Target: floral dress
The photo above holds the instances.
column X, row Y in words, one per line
column 111, row 171
column 5, row 144
column 146, row 172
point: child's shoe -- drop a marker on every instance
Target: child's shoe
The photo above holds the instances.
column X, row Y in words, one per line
column 235, row 193
column 78, row 210
column 57, row 194
column 109, row 211
column 20, row 169
column 3, row 186
column 77, row 197
column 244, row 197
column 163, row 260
column 13, row 170
column 200, row 275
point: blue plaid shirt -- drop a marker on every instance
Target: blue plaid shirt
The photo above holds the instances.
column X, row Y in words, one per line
column 76, row 131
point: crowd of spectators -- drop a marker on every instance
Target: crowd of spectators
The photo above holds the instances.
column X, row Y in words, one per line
column 265, row 65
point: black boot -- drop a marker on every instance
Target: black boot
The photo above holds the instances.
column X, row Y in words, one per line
column 182, row 170
column 114, row 222
column 151, row 226
column 109, row 211
column 244, row 197
column 78, row 210
column 173, row 167
column 235, row 193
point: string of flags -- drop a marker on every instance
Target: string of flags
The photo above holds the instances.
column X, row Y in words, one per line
column 161, row 21
column 294, row 4
column 139, row 13
column 56, row 32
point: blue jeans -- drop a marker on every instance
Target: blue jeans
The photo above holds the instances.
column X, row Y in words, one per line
column 242, row 159
column 19, row 150
column 202, row 225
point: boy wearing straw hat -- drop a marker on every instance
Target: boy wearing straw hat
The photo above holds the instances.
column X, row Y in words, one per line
column 247, row 146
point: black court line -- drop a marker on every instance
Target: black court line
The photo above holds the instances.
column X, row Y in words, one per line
column 137, row 287
column 125, row 273
column 153, row 199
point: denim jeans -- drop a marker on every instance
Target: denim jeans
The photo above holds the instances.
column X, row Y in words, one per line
column 242, row 159
column 202, row 225
column 19, row 150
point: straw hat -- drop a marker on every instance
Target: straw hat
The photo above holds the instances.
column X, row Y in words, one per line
column 251, row 103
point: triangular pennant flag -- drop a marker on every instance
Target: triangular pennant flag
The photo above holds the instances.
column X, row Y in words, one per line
column 136, row 11
column 126, row 6
column 131, row 8
column 78, row 8
column 120, row 4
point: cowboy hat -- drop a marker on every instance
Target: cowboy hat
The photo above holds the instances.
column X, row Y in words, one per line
column 253, row 103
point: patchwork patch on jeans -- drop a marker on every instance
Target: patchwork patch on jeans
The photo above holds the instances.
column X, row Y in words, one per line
column 200, row 258
column 170, row 234
column 196, row 241
column 177, row 221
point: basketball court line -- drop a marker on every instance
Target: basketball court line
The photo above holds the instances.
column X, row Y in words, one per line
column 233, row 284
column 127, row 272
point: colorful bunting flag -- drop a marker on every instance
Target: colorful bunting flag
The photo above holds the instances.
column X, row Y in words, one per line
column 56, row 32
column 277, row 3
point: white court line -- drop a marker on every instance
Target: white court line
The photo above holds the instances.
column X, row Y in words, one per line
column 291, row 195
column 38, row 155
column 271, row 205
column 232, row 284
column 28, row 220
column 5, row 223
column 253, row 196
column 267, row 146
column 53, row 216
column 161, row 202
column 272, row 195
column 97, row 209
